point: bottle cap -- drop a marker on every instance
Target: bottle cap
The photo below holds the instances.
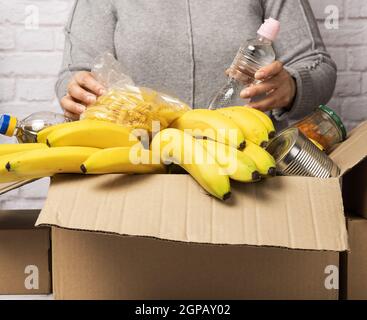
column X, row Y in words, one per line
column 7, row 125
column 269, row 29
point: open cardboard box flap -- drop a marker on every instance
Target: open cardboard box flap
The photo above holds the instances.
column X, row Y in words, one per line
column 289, row 212
column 292, row 212
column 351, row 152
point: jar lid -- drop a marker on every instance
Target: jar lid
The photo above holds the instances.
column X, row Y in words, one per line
column 335, row 118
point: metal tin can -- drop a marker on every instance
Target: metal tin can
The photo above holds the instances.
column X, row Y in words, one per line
column 296, row 155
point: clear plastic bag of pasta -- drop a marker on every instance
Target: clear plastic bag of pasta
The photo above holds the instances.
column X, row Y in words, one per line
column 129, row 105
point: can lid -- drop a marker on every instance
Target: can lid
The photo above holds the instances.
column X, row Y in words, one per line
column 335, row 118
column 7, row 125
column 281, row 146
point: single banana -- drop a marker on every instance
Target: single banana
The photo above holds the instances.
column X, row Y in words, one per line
column 252, row 127
column 237, row 165
column 268, row 123
column 6, row 149
column 122, row 160
column 92, row 133
column 210, row 124
column 265, row 163
column 47, row 162
column 5, row 175
column 176, row 146
column 43, row 134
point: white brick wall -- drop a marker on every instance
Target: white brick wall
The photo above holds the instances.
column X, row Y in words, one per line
column 348, row 47
column 30, row 59
column 29, row 63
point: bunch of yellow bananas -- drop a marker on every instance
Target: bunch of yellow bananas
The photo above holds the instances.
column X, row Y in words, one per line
column 65, row 147
column 216, row 146
column 212, row 146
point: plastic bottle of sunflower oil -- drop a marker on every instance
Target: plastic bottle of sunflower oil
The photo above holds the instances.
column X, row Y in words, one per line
column 26, row 130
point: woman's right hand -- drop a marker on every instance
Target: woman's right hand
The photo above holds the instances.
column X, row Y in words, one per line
column 83, row 90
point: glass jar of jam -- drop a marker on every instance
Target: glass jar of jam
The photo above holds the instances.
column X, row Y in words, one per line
column 323, row 126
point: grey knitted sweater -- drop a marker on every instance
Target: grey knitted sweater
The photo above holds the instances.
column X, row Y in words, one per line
column 182, row 47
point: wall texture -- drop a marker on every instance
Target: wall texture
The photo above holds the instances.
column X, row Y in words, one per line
column 30, row 59
column 348, row 47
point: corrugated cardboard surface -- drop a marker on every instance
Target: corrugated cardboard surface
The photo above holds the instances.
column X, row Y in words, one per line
column 356, row 260
column 351, row 158
column 21, row 246
column 210, row 254
column 97, row 266
column 353, row 150
column 292, row 212
column 352, row 155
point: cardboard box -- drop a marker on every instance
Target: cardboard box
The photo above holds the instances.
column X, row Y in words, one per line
column 355, row 190
column 98, row 266
column 355, row 261
column 354, row 181
column 24, row 254
column 162, row 237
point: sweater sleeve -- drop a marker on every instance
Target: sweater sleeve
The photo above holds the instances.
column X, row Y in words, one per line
column 88, row 33
column 303, row 53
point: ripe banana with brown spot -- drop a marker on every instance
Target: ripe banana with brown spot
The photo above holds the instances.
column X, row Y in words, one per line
column 237, row 165
column 252, row 127
column 47, row 162
column 176, row 146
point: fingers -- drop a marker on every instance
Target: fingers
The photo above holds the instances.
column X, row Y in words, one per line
column 85, row 88
column 88, row 82
column 80, row 94
column 71, row 108
column 269, row 71
column 259, row 89
column 279, row 92
column 278, row 98
column 266, row 104
column 71, row 116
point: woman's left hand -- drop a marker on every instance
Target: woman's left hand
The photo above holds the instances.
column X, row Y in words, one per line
column 278, row 85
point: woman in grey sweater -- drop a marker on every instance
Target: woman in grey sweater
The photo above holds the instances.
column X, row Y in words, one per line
column 182, row 47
